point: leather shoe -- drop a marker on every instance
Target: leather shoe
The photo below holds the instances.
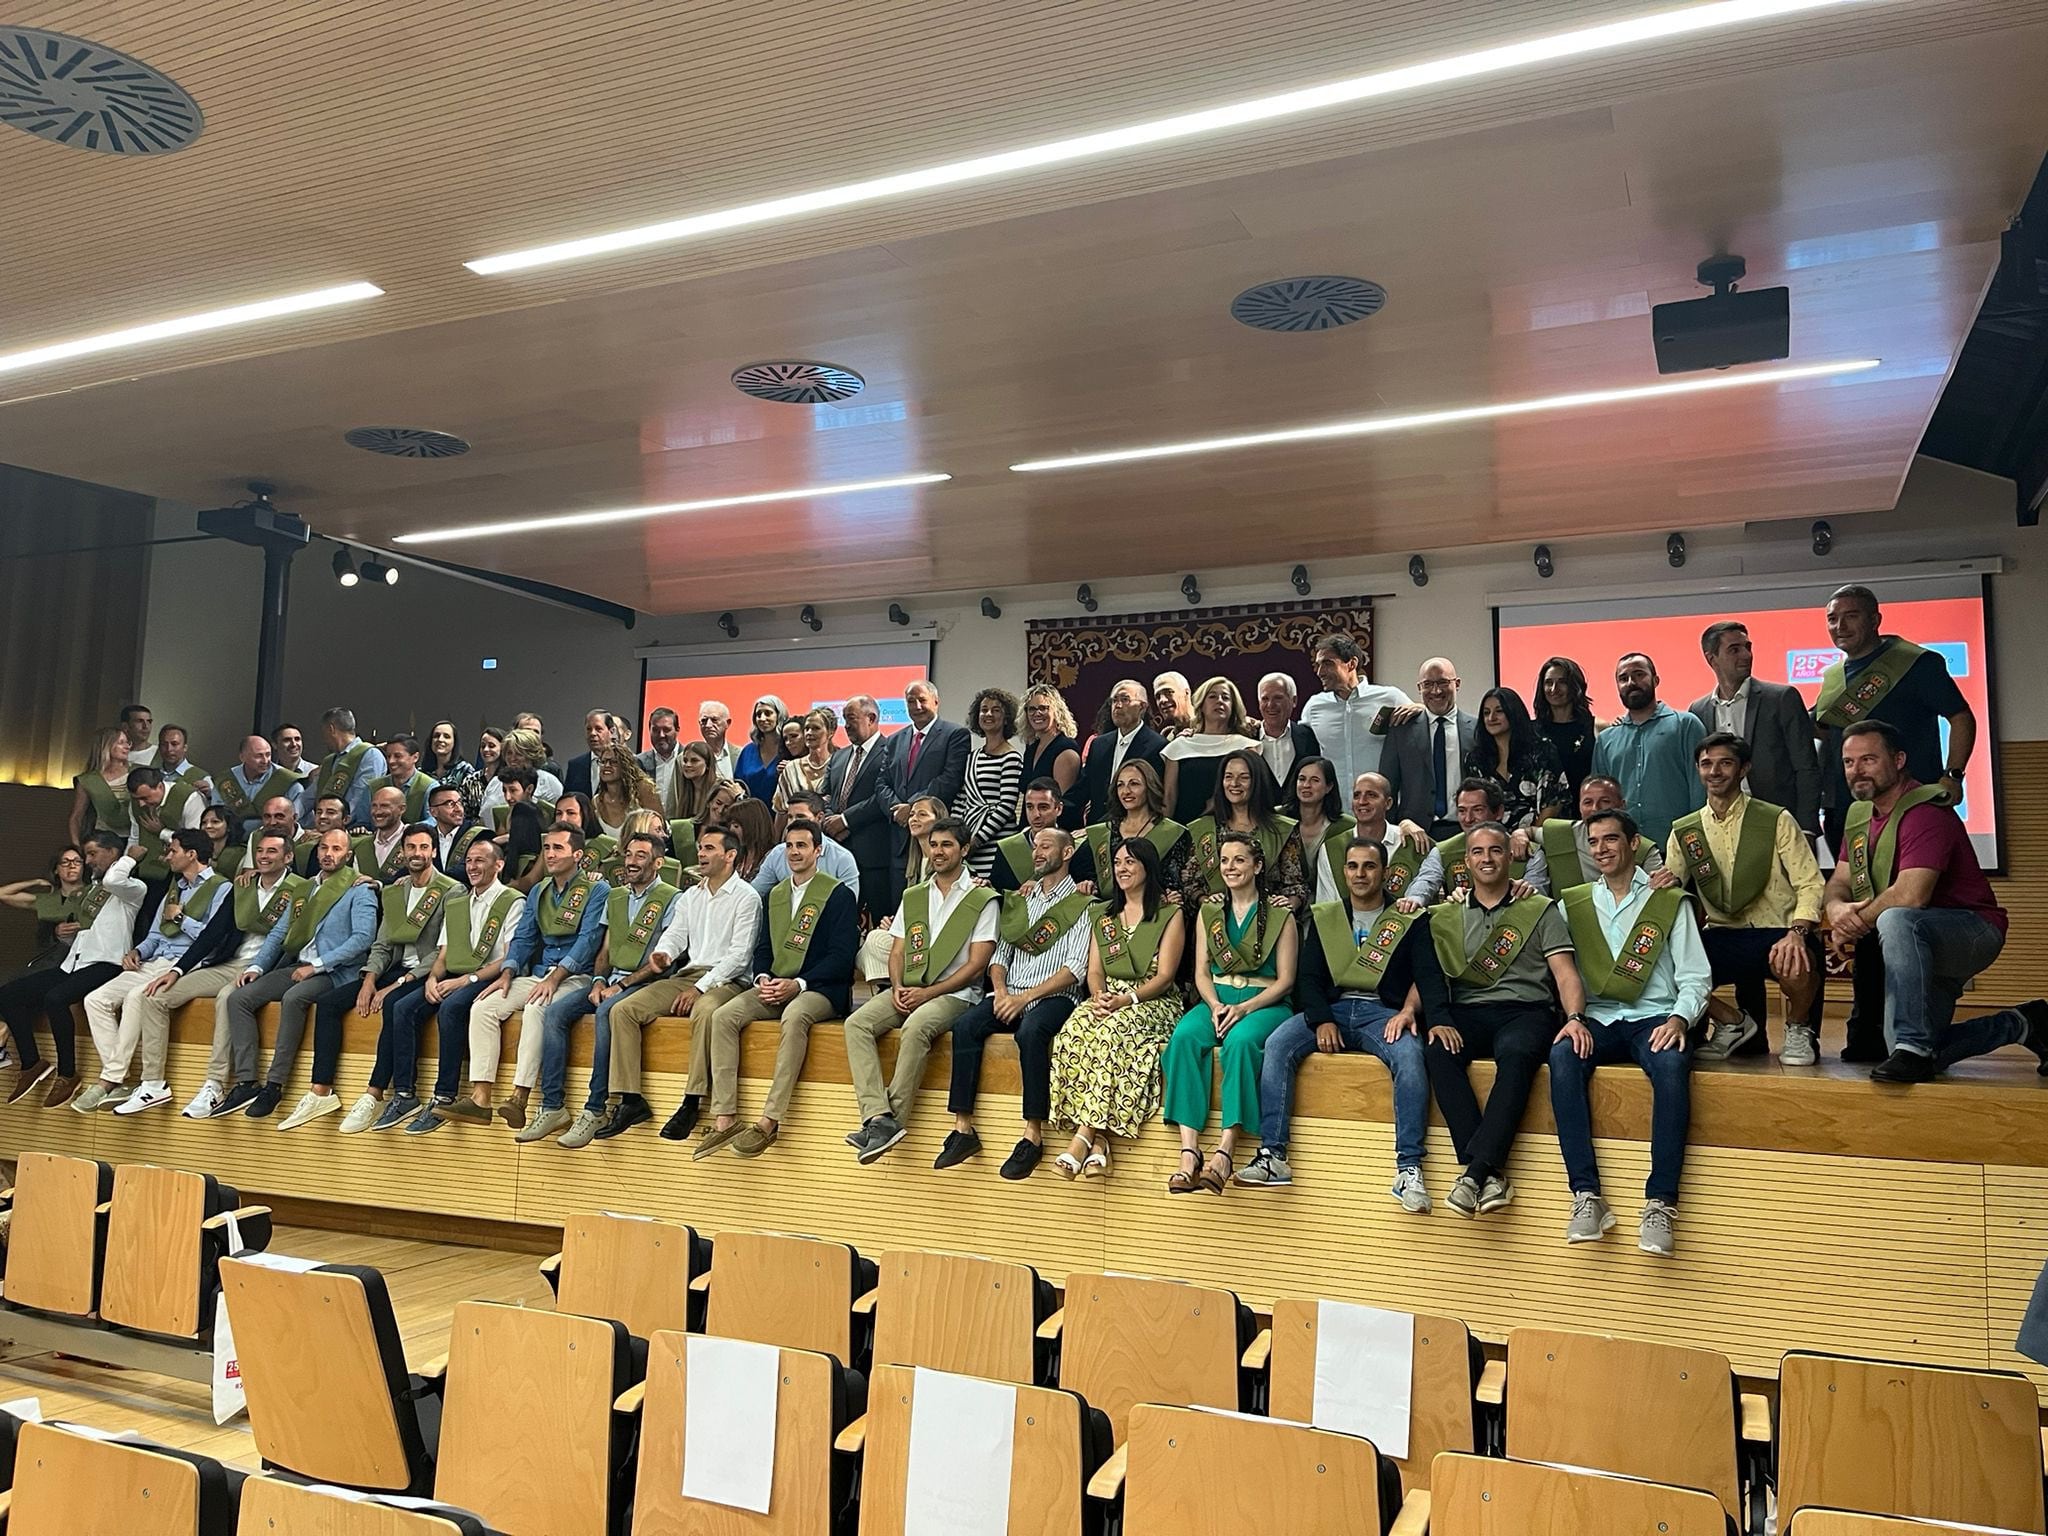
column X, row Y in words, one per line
column 1904, row 1067
column 684, row 1120
column 630, row 1111
column 1022, row 1159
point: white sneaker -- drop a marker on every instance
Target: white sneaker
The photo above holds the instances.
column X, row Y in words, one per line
column 362, row 1115
column 204, row 1102
column 1725, row 1037
column 1410, row 1191
column 311, row 1106
column 148, row 1096
column 1802, row 1046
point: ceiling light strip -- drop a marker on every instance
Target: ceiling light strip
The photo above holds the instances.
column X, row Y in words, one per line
column 636, row 514
column 1369, row 426
column 187, row 325
column 1633, row 31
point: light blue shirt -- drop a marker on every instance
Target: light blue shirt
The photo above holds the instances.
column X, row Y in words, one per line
column 1681, row 980
column 832, row 859
column 633, row 905
column 159, row 946
column 533, row 953
column 341, row 941
column 372, row 766
column 1653, row 763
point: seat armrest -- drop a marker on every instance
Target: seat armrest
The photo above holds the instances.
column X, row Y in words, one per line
column 240, row 1213
column 435, row 1370
column 1050, row 1328
column 1756, row 1418
column 629, row 1400
column 1108, row 1482
column 864, row 1306
column 852, row 1438
column 1413, row 1520
column 104, row 1208
column 700, row 1283
column 551, row 1266
column 1493, row 1384
column 1258, row 1351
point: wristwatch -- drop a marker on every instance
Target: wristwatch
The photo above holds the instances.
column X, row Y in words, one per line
column 1576, row 1018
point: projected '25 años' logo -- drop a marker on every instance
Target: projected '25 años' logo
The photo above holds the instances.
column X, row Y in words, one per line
column 1807, row 665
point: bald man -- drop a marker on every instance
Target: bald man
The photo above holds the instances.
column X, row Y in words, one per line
column 245, row 788
column 1426, row 751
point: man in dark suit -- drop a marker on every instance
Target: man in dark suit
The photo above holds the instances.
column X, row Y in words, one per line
column 597, row 732
column 929, row 758
column 1130, row 738
column 858, row 816
column 1424, row 758
column 1283, row 740
column 1772, row 717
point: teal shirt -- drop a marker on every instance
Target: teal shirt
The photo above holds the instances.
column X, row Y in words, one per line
column 1653, row 763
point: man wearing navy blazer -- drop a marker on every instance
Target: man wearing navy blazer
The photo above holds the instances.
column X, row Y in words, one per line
column 581, row 774
column 1129, row 739
column 928, row 758
column 1772, row 717
column 858, row 816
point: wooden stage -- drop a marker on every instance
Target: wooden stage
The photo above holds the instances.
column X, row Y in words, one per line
column 1819, row 1211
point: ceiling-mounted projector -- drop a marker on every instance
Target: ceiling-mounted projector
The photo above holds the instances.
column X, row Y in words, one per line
column 1726, row 328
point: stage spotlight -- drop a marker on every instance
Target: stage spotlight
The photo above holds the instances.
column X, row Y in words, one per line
column 1823, row 536
column 1674, row 550
column 1545, row 566
column 897, row 615
column 810, row 620
column 378, row 574
column 725, row 622
column 1299, row 577
column 1190, row 591
column 1417, row 571
column 989, row 610
column 345, row 569
column 1085, row 596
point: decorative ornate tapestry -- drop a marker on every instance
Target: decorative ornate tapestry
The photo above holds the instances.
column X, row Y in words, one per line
column 1085, row 656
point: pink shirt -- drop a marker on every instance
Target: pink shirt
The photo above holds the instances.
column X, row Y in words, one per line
column 1933, row 837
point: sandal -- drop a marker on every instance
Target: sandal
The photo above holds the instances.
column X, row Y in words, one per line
column 1181, row 1182
column 1210, row 1180
column 1068, row 1164
column 1097, row 1162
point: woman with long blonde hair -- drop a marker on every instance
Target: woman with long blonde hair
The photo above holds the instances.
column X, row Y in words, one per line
column 1191, row 762
column 621, row 785
column 1052, row 750
column 99, row 800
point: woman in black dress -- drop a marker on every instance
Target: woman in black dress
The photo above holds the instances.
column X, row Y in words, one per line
column 1510, row 751
column 1566, row 719
column 1050, row 750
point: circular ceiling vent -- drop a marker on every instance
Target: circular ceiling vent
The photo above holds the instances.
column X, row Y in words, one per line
column 1308, row 303
column 89, row 96
column 798, row 383
column 406, row 442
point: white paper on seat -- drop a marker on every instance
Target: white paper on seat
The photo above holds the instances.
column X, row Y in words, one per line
column 27, row 1409
column 730, row 1389
column 962, row 1432
column 1365, row 1373
column 283, row 1261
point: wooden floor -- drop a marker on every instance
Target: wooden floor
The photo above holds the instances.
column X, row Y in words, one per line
column 426, row 1280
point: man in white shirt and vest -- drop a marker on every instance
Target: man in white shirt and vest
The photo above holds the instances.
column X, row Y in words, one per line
column 1344, row 714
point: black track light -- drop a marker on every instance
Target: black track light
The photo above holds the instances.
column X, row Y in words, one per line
column 1190, row 591
column 726, row 623
column 1823, row 536
column 345, row 569
column 1674, row 550
column 378, row 574
column 989, row 610
column 1085, row 596
column 1545, row 566
column 1299, row 577
column 1417, row 571
column 809, row 619
column 897, row 615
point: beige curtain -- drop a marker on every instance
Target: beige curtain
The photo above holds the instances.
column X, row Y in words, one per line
column 70, row 625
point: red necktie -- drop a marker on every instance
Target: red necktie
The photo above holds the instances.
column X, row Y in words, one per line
column 916, row 746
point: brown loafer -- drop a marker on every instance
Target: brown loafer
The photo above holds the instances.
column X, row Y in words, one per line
column 464, row 1112
column 61, row 1090
column 713, row 1139
column 513, row 1112
column 32, row 1078
column 753, row 1141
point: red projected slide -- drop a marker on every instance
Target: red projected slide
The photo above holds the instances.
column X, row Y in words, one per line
column 1792, row 646
column 799, row 690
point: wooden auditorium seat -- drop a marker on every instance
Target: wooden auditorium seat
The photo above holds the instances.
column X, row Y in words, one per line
column 330, row 1397
column 1486, row 1496
column 1913, row 1440
column 1653, row 1411
column 1843, row 1522
column 167, row 1232
column 68, row 1483
column 57, row 1238
column 1212, row 1474
column 810, row 1487
column 273, row 1507
column 793, row 1292
column 630, row 1268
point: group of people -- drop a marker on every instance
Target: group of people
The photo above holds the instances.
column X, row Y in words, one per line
column 1187, row 887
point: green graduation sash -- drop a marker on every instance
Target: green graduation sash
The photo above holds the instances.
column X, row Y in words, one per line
column 1019, row 931
column 254, row 919
column 1451, row 851
column 1202, row 859
column 157, row 826
column 1128, row 954
column 393, row 866
column 1228, row 956
column 501, row 814
column 1511, row 929
column 600, row 849
column 561, row 911
column 1569, row 867
column 1162, row 835
column 319, row 901
column 227, row 860
column 926, row 955
column 53, row 906
column 628, row 941
column 1357, row 967
column 462, row 958
column 790, row 933
column 96, row 896
column 1016, row 852
column 247, row 805
column 109, row 803
column 459, row 849
column 396, row 927
column 417, row 788
column 338, row 769
column 202, row 893
column 1756, row 850
column 682, row 836
column 1403, row 864
column 1332, row 847
column 1621, row 977
column 1871, row 869
column 1842, row 703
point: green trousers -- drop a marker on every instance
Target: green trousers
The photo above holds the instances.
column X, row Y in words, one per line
column 1186, row 1062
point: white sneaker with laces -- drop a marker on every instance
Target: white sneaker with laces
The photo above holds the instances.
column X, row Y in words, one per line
column 311, row 1106
column 1591, row 1218
column 204, row 1102
column 148, row 1096
column 1725, row 1037
column 1802, row 1046
column 362, row 1115
column 1411, row 1191
column 1654, row 1236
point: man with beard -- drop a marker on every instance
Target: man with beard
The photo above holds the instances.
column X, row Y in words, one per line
column 1649, row 751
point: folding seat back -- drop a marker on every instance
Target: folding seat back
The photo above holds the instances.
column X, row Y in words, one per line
column 323, row 1368
column 530, row 1440
column 1843, row 1522
column 68, row 1483
column 1129, row 1340
column 166, row 1236
column 1443, row 1375
column 1211, row 1474
column 793, row 1292
column 623, row 1267
column 1655, row 1411
column 57, row 1240
column 809, row 1488
column 274, row 1507
column 1921, row 1441
column 1485, row 1496
column 955, row 1312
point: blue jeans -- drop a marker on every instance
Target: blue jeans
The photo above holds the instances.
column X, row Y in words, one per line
column 1361, row 1024
column 1929, row 952
column 1670, row 1074
column 452, row 1019
column 404, row 1016
column 560, row 1017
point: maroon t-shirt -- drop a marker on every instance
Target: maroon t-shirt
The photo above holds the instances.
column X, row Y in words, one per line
column 1933, row 837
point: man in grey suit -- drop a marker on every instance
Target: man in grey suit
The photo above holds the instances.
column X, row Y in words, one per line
column 929, row 758
column 1424, row 759
column 857, row 809
column 1771, row 717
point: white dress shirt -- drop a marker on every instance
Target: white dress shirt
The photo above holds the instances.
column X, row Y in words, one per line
column 251, row 942
column 664, row 773
column 1116, row 758
column 549, row 789
column 1343, row 727
column 1732, row 715
column 714, row 930
column 939, row 908
column 480, row 903
column 1278, row 751
column 109, row 937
